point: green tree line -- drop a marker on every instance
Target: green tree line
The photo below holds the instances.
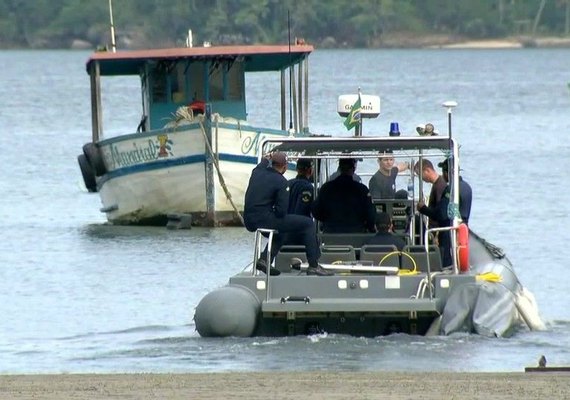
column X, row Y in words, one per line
column 334, row 23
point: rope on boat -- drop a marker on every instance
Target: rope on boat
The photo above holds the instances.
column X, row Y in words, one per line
column 495, row 251
column 184, row 113
column 220, row 176
column 422, row 286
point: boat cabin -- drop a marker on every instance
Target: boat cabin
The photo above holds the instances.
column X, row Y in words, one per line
column 206, row 79
column 326, row 151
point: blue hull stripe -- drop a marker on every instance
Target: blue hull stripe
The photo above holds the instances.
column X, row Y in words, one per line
column 173, row 162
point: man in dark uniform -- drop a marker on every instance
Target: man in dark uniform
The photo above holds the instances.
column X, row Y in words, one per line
column 440, row 213
column 344, row 205
column 384, row 235
column 266, row 205
column 355, row 176
column 301, row 189
column 428, row 174
column 438, row 185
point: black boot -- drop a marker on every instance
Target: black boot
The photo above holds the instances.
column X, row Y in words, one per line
column 262, row 266
column 318, row 270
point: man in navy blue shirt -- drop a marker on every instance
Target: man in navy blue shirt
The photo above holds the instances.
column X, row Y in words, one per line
column 440, row 212
column 301, row 190
column 384, row 234
column 266, row 206
column 344, row 205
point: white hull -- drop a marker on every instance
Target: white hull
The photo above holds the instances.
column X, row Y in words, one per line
column 171, row 171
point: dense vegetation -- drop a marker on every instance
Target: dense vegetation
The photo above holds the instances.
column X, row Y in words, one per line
column 361, row 23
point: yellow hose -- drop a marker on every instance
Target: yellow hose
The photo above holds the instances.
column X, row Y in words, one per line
column 402, row 272
column 489, row 277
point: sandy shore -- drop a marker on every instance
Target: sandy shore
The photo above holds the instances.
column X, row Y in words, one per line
column 288, row 385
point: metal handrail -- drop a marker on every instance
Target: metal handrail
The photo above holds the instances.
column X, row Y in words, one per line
column 426, row 246
column 257, row 252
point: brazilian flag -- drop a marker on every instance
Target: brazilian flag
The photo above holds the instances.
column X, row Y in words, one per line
column 353, row 117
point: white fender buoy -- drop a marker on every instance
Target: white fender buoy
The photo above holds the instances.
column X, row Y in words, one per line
column 528, row 309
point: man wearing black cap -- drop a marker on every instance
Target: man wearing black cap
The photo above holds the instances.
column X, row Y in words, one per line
column 266, row 206
column 384, row 234
column 440, row 212
column 344, row 205
column 355, row 176
column 301, row 189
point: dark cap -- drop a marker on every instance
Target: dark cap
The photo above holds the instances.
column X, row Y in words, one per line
column 347, row 162
column 304, row 163
column 383, row 221
column 279, row 159
column 444, row 165
column 401, row 194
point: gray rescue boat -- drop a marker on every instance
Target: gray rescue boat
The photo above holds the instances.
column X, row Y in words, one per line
column 374, row 290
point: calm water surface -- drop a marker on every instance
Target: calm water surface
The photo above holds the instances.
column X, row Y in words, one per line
column 77, row 295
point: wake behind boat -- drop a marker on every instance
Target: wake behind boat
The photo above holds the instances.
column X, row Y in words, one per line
column 193, row 148
column 375, row 290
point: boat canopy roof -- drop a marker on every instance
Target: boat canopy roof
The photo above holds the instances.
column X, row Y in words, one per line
column 256, row 58
column 360, row 146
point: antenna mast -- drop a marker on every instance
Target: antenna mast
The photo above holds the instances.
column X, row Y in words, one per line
column 113, row 45
column 290, row 75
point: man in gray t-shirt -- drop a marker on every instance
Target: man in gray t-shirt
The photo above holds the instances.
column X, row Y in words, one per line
column 382, row 185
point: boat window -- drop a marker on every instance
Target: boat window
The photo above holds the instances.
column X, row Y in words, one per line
column 196, row 76
column 226, row 81
column 178, row 84
column 216, row 81
column 159, row 78
column 235, row 81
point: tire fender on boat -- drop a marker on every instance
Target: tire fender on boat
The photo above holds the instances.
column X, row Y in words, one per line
column 228, row 311
column 463, row 247
column 93, row 155
column 87, row 173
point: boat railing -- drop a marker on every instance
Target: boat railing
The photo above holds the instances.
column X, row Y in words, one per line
column 259, row 234
column 426, row 245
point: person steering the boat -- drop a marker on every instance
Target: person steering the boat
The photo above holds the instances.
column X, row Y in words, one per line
column 382, row 185
column 440, row 213
column 266, row 204
column 385, row 232
column 355, row 176
column 344, row 205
